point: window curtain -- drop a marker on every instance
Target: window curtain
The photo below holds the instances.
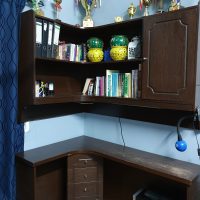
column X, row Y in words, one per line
column 11, row 133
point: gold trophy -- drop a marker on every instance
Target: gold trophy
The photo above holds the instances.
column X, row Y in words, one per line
column 131, row 10
column 88, row 5
column 174, row 5
column 146, row 4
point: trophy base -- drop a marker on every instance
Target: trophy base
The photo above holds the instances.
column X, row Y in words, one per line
column 88, row 22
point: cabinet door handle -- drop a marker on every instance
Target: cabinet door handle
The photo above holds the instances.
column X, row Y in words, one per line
column 85, row 189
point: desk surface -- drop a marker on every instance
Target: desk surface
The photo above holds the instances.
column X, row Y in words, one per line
column 179, row 171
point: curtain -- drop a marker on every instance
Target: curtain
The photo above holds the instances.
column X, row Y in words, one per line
column 11, row 133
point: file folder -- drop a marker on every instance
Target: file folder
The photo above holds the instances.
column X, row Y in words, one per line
column 56, row 35
column 38, row 42
column 50, row 40
column 44, row 38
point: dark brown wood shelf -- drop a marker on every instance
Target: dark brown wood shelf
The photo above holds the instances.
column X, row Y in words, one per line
column 56, row 99
column 136, row 102
column 121, row 62
column 183, row 176
column 168, row 71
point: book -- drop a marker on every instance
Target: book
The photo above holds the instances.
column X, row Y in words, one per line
column 115, row 84
column 50, row 39
column 45, row 28
column 102, row 86
column 56, row 35
column 135, row 83
column 86, row 86
column 97, row 86
column 109, row 81
column 127, row 85
column 38, row 42
column 90, row 88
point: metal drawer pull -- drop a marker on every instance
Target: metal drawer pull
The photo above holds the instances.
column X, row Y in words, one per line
column 85, row 176
column 85, row 159
column 85, row 189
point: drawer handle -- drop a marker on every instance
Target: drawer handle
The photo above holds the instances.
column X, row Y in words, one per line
column 85, row 176
column 85, row 159
column 85, row 189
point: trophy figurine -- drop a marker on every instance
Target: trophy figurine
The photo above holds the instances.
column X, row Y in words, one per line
column 146, row 4
column 174, row 5
column 131, row 10
column 36, row 4
column 57, row 6
column 88, row 5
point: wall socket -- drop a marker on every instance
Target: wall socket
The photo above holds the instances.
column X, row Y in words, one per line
column 26, row 127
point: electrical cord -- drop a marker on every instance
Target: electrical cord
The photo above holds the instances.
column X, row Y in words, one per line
column 195, row 127
column 121, row 131
column 198, row 147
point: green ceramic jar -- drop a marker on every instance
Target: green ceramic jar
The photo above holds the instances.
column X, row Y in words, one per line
column 95, row 43
column 119, row 40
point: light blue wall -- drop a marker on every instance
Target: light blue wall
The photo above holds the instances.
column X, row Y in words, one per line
column 48, row 131
column 154, row 138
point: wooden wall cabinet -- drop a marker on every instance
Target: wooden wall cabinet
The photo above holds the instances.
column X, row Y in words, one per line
column 170, row 46
column 169, row 77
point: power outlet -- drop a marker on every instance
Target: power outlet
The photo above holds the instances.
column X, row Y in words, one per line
column 26, row 127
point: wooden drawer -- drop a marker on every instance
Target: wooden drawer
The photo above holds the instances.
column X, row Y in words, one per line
column 85, row 189
column 79, row 175
column 82, row 160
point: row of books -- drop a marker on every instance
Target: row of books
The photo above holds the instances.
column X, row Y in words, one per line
column 72, row 52
column 114, row 84
column 47, row 38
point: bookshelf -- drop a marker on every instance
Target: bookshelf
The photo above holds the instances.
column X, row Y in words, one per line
column 168, row 78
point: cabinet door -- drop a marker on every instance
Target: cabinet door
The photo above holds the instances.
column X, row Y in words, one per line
column 170, row 46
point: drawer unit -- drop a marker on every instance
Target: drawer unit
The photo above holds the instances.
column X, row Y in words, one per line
column 85, row 177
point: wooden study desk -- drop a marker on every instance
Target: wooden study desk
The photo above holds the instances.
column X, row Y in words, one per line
column 42, row 172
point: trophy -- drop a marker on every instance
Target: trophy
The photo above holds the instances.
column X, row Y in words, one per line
column 36, row 4
column 131, row 10
column 57, row 6
column 174, row 5
column 88, row 5
column 146, row 3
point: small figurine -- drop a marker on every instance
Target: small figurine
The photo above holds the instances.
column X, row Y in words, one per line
column 118, row 19
column 131, row 10
column 58, row 7
column 36, row 4
column 175, row 5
